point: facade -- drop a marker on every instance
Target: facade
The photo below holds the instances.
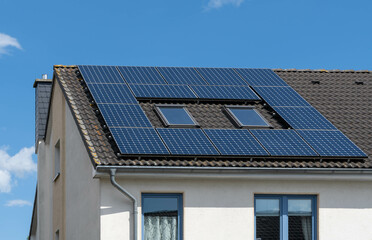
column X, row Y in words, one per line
column 88, row 189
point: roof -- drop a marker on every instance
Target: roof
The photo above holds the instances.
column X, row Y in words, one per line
column 341, row 96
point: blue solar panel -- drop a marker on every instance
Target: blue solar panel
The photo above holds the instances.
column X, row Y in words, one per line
column 141, row 75
column 331, row 143
column 225, row 92
column 187, row 141
column 281, row 96
column 138, row 141
column 235, row 142
column 100, row 74
column 283, row 142
column 162, row 91
column 304, row 118
column 181, row 75
column 260, row 77
column 111, row 93
column 221, row 76
column 124, row 115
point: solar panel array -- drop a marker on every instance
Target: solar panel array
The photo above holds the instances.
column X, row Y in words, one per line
column 100, row 74
column 181, row 75
column 331, row 143
column 304, row 118
column 225, row 92
column 221, row 76
column 141, row 75
column 283, row 142
column 138, row 141
column 260, row 77
column 162, row 91
column 235, row 142
column 111, row 93
column 187, row 141
column 124, row 115
column 116, row 90
column 281, row 96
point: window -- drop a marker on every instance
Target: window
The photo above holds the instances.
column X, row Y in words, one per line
column 162, row 216
column 246, row 116
column 57, row 160
column 175, row 115
column 285, row 217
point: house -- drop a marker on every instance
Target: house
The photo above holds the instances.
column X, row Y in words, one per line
column 203, row 153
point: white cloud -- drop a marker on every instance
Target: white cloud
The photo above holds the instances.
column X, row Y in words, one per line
column 7, row 41
column 18, row 203
column 4, row 181
column 15, row 166
column 220, row 3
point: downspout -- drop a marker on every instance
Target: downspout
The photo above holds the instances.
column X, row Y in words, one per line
column 128, row 195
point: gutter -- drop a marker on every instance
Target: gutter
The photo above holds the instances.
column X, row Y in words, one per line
column 239, row 172
column 128, row 195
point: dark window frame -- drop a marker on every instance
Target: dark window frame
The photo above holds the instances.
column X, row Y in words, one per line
column 165, row 120
column 179, row 197
column 238, row 123
column 283, row 211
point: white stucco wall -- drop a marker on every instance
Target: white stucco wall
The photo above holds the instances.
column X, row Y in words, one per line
column 44, row 192
column 223, row 209
column 82, row 191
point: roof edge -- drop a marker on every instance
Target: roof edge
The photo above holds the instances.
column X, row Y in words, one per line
column 41, row 80
column 321, row 70
column 305, row 174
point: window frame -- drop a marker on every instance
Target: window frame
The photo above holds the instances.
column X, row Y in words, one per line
column 236, row 120
column 57, row 160
column 283, row 212
column 178, row 196
column 165, row 120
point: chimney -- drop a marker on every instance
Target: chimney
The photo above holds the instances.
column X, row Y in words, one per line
column 43, row 88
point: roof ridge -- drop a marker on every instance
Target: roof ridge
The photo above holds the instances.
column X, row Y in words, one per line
column 64, row 66
column 277, row 69
column 321, row 70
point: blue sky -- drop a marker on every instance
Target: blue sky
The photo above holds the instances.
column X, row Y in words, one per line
column 35, row 35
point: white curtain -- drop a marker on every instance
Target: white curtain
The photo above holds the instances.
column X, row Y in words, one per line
column 306, row 227
column 160, row 227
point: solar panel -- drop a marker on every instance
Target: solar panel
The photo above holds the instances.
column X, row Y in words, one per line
column 124, row 115
column 100, row 74
column 138, row 141
column 260, row 77
column 187, row 141
column 331, row 143
column 225, row 92
column 181, row 75
column 304, row 118
column 162, row 91
column 221, row 76
column 283, row 142
column 141, row 75
column 235, row 142
column 111, row 93
column 281, row 96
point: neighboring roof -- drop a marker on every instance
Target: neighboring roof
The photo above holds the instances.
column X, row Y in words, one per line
column 335, row 94
column 43, row 88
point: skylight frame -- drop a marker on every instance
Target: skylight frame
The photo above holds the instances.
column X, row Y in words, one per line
column 167, row 123
column 236, row 120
